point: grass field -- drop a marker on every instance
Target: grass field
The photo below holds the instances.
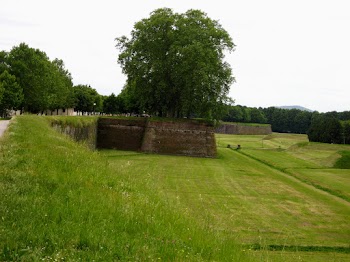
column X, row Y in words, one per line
column 265, row 194
column 60, row 201
column 276, row 199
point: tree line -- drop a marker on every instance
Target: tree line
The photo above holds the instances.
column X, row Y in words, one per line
column 174, row 64
column 330, row 127
column 31, row 82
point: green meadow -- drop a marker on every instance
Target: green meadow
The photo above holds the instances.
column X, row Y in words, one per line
column 278, row 198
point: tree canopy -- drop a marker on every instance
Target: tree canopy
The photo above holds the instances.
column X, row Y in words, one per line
column 11, row 95
column 45, row 84
column 87, row 99
column 326, row 128
column 175, row 64
column 29, row 80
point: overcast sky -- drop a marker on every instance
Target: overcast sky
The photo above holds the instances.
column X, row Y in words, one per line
column 289, row 52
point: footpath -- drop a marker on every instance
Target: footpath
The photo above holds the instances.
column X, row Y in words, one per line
column 3, row 126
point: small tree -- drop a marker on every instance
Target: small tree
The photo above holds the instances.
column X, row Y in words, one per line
column 111, row 104
column 87, row 99
column 12, row 95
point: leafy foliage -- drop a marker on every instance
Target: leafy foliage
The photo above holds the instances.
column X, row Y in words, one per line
column 113, row 104
column 325, row 128
column 42, row 84
column 87, row 99
column 174, row 63
column 64, row 202
column 11, row 95
column 344, row 161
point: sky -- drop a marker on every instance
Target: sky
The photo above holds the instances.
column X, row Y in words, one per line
column 288, row 52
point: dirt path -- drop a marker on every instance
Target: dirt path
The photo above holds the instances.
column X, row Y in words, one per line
column 3, row 126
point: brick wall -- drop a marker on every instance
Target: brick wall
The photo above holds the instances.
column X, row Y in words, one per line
column 122, row 134
column 239, row 129
column 190, row 138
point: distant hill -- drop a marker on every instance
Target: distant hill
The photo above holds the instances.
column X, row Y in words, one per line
column 296, row 107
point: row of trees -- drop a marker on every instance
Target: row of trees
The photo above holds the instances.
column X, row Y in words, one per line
column 30, row 81
column 174, row 64
column 327, row 128
column 331, row 127
column 281, row 120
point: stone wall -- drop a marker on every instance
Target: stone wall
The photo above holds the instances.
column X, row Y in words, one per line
column 122, row 134
column 190, row 138
column 86, row 134
column 241, row 129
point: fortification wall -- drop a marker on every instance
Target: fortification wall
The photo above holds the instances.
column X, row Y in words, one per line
column 86, row 134
column 179, row 138
column 122, row 134
column 188, row 138
column 238, row 129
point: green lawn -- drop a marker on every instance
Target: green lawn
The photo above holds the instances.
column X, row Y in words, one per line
column 337, row 180
column 241, row 196
column 60, row 201
column 272, row 200
column 264, row 194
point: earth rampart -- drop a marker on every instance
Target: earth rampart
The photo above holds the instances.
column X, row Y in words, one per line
column 175, row 137
column 122, row 134
column 241, row 129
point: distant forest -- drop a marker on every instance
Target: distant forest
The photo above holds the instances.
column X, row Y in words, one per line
column 330, row 127
column 31, row 82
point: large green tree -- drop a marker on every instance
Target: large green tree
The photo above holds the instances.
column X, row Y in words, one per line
column 46, row 84
column 32, row 70
column 61, row 92
column 175, row 64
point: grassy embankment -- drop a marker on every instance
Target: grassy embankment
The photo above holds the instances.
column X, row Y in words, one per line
column 60, row 201
column 245, row 124
column 276, row 193
column 261, row 194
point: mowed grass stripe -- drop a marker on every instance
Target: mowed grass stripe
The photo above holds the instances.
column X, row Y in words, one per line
column 235, row 193
column 277, row 160
column 333, row 181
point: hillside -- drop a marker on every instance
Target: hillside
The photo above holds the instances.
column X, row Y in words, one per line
column 296, row 107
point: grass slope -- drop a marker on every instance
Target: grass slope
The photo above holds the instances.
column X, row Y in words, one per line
column 252, row 197
column 60, row 201
column 240, row 196
column 344, row 161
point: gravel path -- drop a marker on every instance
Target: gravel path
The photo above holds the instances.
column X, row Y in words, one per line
column 3, row 126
